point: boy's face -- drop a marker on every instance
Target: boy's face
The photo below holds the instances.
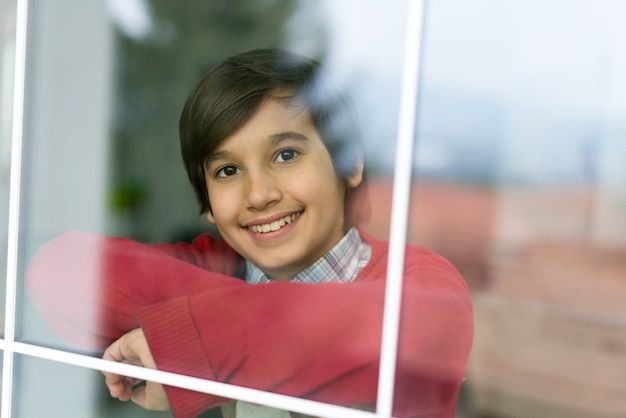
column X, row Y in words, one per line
column 274, row 193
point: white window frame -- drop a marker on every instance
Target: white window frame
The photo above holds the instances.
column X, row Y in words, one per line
column 397, row 240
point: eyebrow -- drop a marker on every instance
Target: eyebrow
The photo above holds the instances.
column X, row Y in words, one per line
column 274, row 139
column 287, row 135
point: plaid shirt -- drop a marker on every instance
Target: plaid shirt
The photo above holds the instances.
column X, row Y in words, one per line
column 341, row 264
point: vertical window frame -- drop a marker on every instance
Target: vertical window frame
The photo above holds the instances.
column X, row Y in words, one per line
column 400, row 204
column 14, row 207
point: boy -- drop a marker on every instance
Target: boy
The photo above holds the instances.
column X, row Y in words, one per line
column 275, row 160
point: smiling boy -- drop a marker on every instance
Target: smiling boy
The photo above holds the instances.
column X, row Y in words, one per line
column 276, row 162
column 274, row 193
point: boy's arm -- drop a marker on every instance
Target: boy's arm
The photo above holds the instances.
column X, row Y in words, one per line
column 207, row 253
column 89, row 288
column 319, row 341
column 435, row 338
column 314, row 341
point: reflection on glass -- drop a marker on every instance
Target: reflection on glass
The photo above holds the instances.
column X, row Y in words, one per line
column 517, row 182
column 45, row 388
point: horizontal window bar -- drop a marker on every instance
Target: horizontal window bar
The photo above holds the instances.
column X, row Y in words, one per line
column 187, row 382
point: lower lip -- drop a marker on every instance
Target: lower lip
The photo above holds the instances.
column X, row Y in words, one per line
column 272, row 235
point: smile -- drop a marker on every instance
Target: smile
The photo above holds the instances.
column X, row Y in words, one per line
column 274, row 226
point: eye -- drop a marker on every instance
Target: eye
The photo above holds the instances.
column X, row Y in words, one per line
column 227, row 171
column 286, row 155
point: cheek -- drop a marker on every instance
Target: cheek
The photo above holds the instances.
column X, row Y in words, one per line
column 319, row 186
column 223, row 202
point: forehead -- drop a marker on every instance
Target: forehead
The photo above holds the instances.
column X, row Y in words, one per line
column 275, row 121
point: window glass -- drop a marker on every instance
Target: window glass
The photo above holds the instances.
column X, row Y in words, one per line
column 101, row 137
column 518, row 169
column 49, row 388
column 69, row 84
column 520, row 130
column 7, row 61
column 121, row 173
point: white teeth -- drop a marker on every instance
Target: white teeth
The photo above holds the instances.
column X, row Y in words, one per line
column 274, row 226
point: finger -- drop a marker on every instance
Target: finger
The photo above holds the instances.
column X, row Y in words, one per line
column 121, row 390
column 112, row 379
column 139, row 396
column 120, row 386
column 151, row 396
column 115, row 379
column 131, row 348
column 113, row 351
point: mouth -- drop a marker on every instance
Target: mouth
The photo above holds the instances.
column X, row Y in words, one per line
column 275, row 225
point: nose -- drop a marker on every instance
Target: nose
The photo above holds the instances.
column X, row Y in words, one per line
column 263, row 190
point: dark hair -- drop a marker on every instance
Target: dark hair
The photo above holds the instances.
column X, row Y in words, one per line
column 232, row 92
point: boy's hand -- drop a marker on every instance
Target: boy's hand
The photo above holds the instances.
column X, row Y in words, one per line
column 132, row 348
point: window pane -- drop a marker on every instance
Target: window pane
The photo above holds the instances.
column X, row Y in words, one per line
column 48, row 388
column 518, row 183
column 69, row 81
column 102, row 129
column 7, row 62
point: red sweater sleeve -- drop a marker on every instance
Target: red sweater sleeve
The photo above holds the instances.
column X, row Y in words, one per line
column 315, row 341
column 89, row 288
column 435, row 337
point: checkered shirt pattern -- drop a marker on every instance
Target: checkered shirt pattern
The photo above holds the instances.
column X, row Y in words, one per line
column 341, row 264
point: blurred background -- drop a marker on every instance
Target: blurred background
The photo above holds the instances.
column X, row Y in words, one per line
column 518, row 166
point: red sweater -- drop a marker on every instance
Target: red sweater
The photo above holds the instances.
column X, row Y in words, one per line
column 319, row 341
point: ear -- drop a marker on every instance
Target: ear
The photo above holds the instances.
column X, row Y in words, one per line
column 356, row 178
column 210, row 217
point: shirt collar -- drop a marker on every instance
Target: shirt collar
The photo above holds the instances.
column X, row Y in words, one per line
column 341, row 264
